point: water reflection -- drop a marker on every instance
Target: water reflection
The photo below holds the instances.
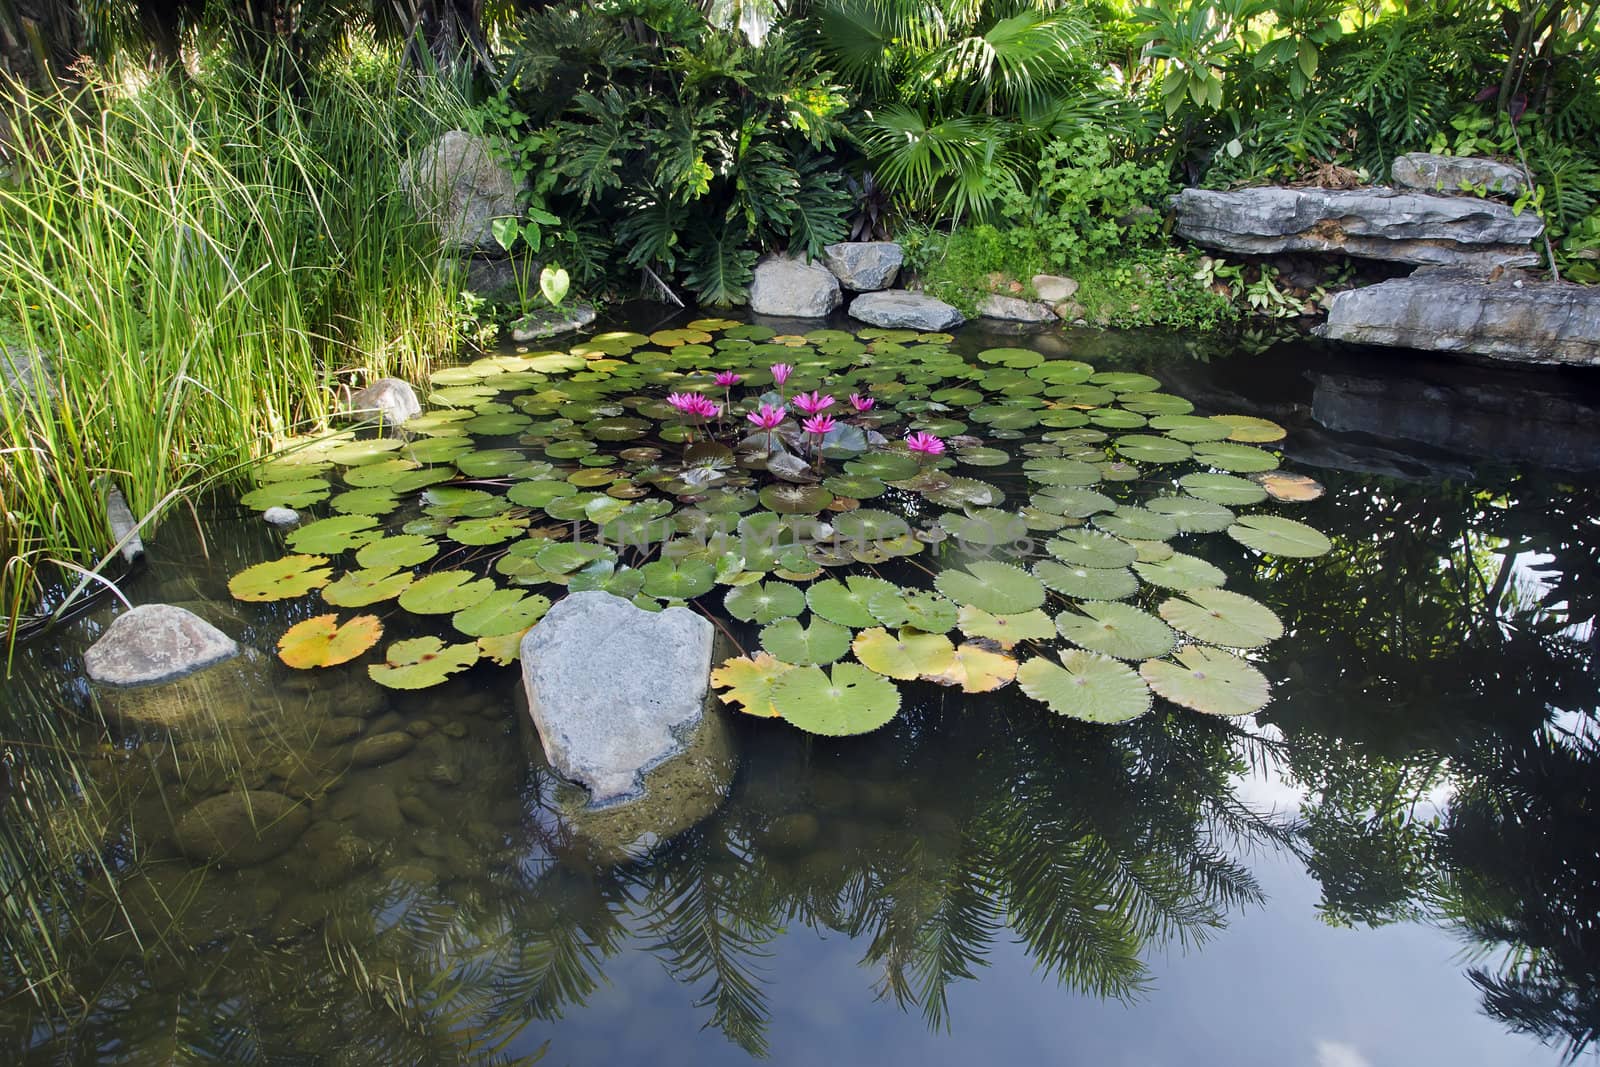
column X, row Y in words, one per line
column 1436, row 713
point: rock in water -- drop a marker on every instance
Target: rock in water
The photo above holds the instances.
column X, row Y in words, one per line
column 156, row 643
column 900, row 309
column 242, row 828
column 1012, row 309
column 789, row 287
column 614, row 690
column 1451, row 311
column 865, row 266
column 456, row 183
column 389, row 399
column 1447, row 174
column 1402, row 227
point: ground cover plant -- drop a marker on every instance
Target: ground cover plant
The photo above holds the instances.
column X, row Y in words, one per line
column 875, row 508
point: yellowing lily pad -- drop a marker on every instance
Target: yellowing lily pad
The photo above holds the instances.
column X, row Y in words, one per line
column 976, row 670
column 905, row 655
column 748, row 681
column 421, row 662
column 321, row 641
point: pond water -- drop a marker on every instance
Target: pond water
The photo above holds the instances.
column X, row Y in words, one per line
column 1393, row 862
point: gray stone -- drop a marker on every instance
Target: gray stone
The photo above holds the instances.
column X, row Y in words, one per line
column 911, row 311
column 1450, row 311
column 552, row 321
column 458, row 185
column 1013, row 309
column 1054, row 288
column 28, row 371
column 378, row 815
column 241, row 828
column 124, row 529
column 278, row 516
column 794, row 288
column 381, row 748
column 1401, row 227
column 390, row 400
column 1449, row 174
column 614, row 690
column 156, row 643
column 342, row 728
column 864, row 266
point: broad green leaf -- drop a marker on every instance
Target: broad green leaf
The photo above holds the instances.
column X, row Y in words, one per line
column 849, row 700
column 1086, row 686
column 1208, row 680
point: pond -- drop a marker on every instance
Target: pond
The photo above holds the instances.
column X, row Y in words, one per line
column 1392, row 861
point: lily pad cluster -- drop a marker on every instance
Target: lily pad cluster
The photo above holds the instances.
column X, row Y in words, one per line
column 916, row 516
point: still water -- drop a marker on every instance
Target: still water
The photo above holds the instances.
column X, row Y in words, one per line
column 1394, row 863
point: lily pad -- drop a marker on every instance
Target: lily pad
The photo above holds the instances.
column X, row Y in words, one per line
column 998, row 588
column 1208, row 680
column 1278, row 536
column 1119, row 630
column 788, row 499
column 359, row 588
column 906, row 655
column 852, row 700
column 984, row 527
column 1006, row 630
column 1289, row 488
column 976, row 670
column 280, row 579
column 1090, row 548
column 1227, row 456
column 504, row 611
column 398, row 550
column 928, row 612
column 1086, row 686
column 846, row 602
column 1192, row 515
column 287, row 494
column 1136, row 523
column 748, row 682
column 1148, row 448
column 1182, row 572
column 1075, row 503
column 1222, row 489
column 335, row 535
column 766, row 602
column 1250, row 429
column 678, row 579
column 820, row 643
column 1086, row 583
column 321, row 641
column 1223, row 617
column 492, row 530
column 445, row 592
column 421, row 662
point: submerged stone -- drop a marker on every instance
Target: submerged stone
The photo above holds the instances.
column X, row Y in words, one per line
column 381, row 748
column 242, row 828
column 614, row 690
column 790, row 287
column 900, row 309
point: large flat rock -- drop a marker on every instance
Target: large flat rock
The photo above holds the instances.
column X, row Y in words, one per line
column 1379, row 223
column 1449, row 174
column 615, row 690
column 155, row 643
column 897, row 308
column 794, row 288
column 1448, row 311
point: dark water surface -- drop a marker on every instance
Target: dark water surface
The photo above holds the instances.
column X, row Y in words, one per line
column 1397, row 862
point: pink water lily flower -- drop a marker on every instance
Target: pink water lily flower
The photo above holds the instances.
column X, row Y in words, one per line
column 862, row 403
column 767, row 416
column 728, row 378
column 818, row 425
column 704, row 407
column 781, row 372
column 925, row 443
column 683, row 401
column 813, row 402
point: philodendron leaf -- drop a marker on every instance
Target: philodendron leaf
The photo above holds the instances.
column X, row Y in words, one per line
column 1086, row 686
column 445, row 592
column 280, row 579
column 1208, row 680
column 504, row 611
column 765, row 602
column 422, row 662
column 976, row 670
column 321, row 641
column 748, row 681
column 1278, row 536
column 1118, row 630
column 1220, row 617
column 905, row 655
column 820, row 643
column 357, row 589
column 998, row 588
column 849, row 700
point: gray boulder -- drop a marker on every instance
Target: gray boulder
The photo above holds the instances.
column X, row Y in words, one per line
column 1013, row 309
column 240, row 829
column 155, row 643
column 1448, row 174
column 788, row 287
column 615, row 690
column 900, row 309
column 388, row 399
column 549, row 323
column 1401, row 227
column 865, row 266
column 459, row 186
column 1054, row 288
column 279, row 516
column 1450, row 311
column 28, row 371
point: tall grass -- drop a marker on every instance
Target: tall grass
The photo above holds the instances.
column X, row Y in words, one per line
column 202, row 263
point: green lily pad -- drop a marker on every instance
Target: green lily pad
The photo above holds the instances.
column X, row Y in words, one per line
column 280, row 579
column 504, row 611
column 445, row 592
column 538, row 494
column 491, row 463
column 984, row 527
column 905, row 655
column 1136, row 523
column 357, row 589
column 380, row 501
column 1250, row 429
column 1076, row 503
column 1192, row 515
column 1148, row 448
column 1118, row 630
column 854, row 486
column 820, row 643
column 564, row 557
column 924, row 611
column 398, row 550
column 1065, row 472
column 852, row 700
column 998, row 588
column 335, row 535
column 966, row 493
column 1189, row 428
column 1278, row 536
column 1243, row 459
column 1086, row 583
column 1182, row 572
column 1090, row 548
column 287, row 494
column 421, row 662
column 685, row 579
column 766, row 602
column 868, row 524
column 1222, row 617
column 846, row 602
column 380, row 475
column 1222, row 489
column 788, row 499
column 1006, row 630
column 492, row 530
column 1208, row 680
column 1085, row 686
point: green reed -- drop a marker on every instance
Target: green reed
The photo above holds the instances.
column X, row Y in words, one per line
column 204, row 264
